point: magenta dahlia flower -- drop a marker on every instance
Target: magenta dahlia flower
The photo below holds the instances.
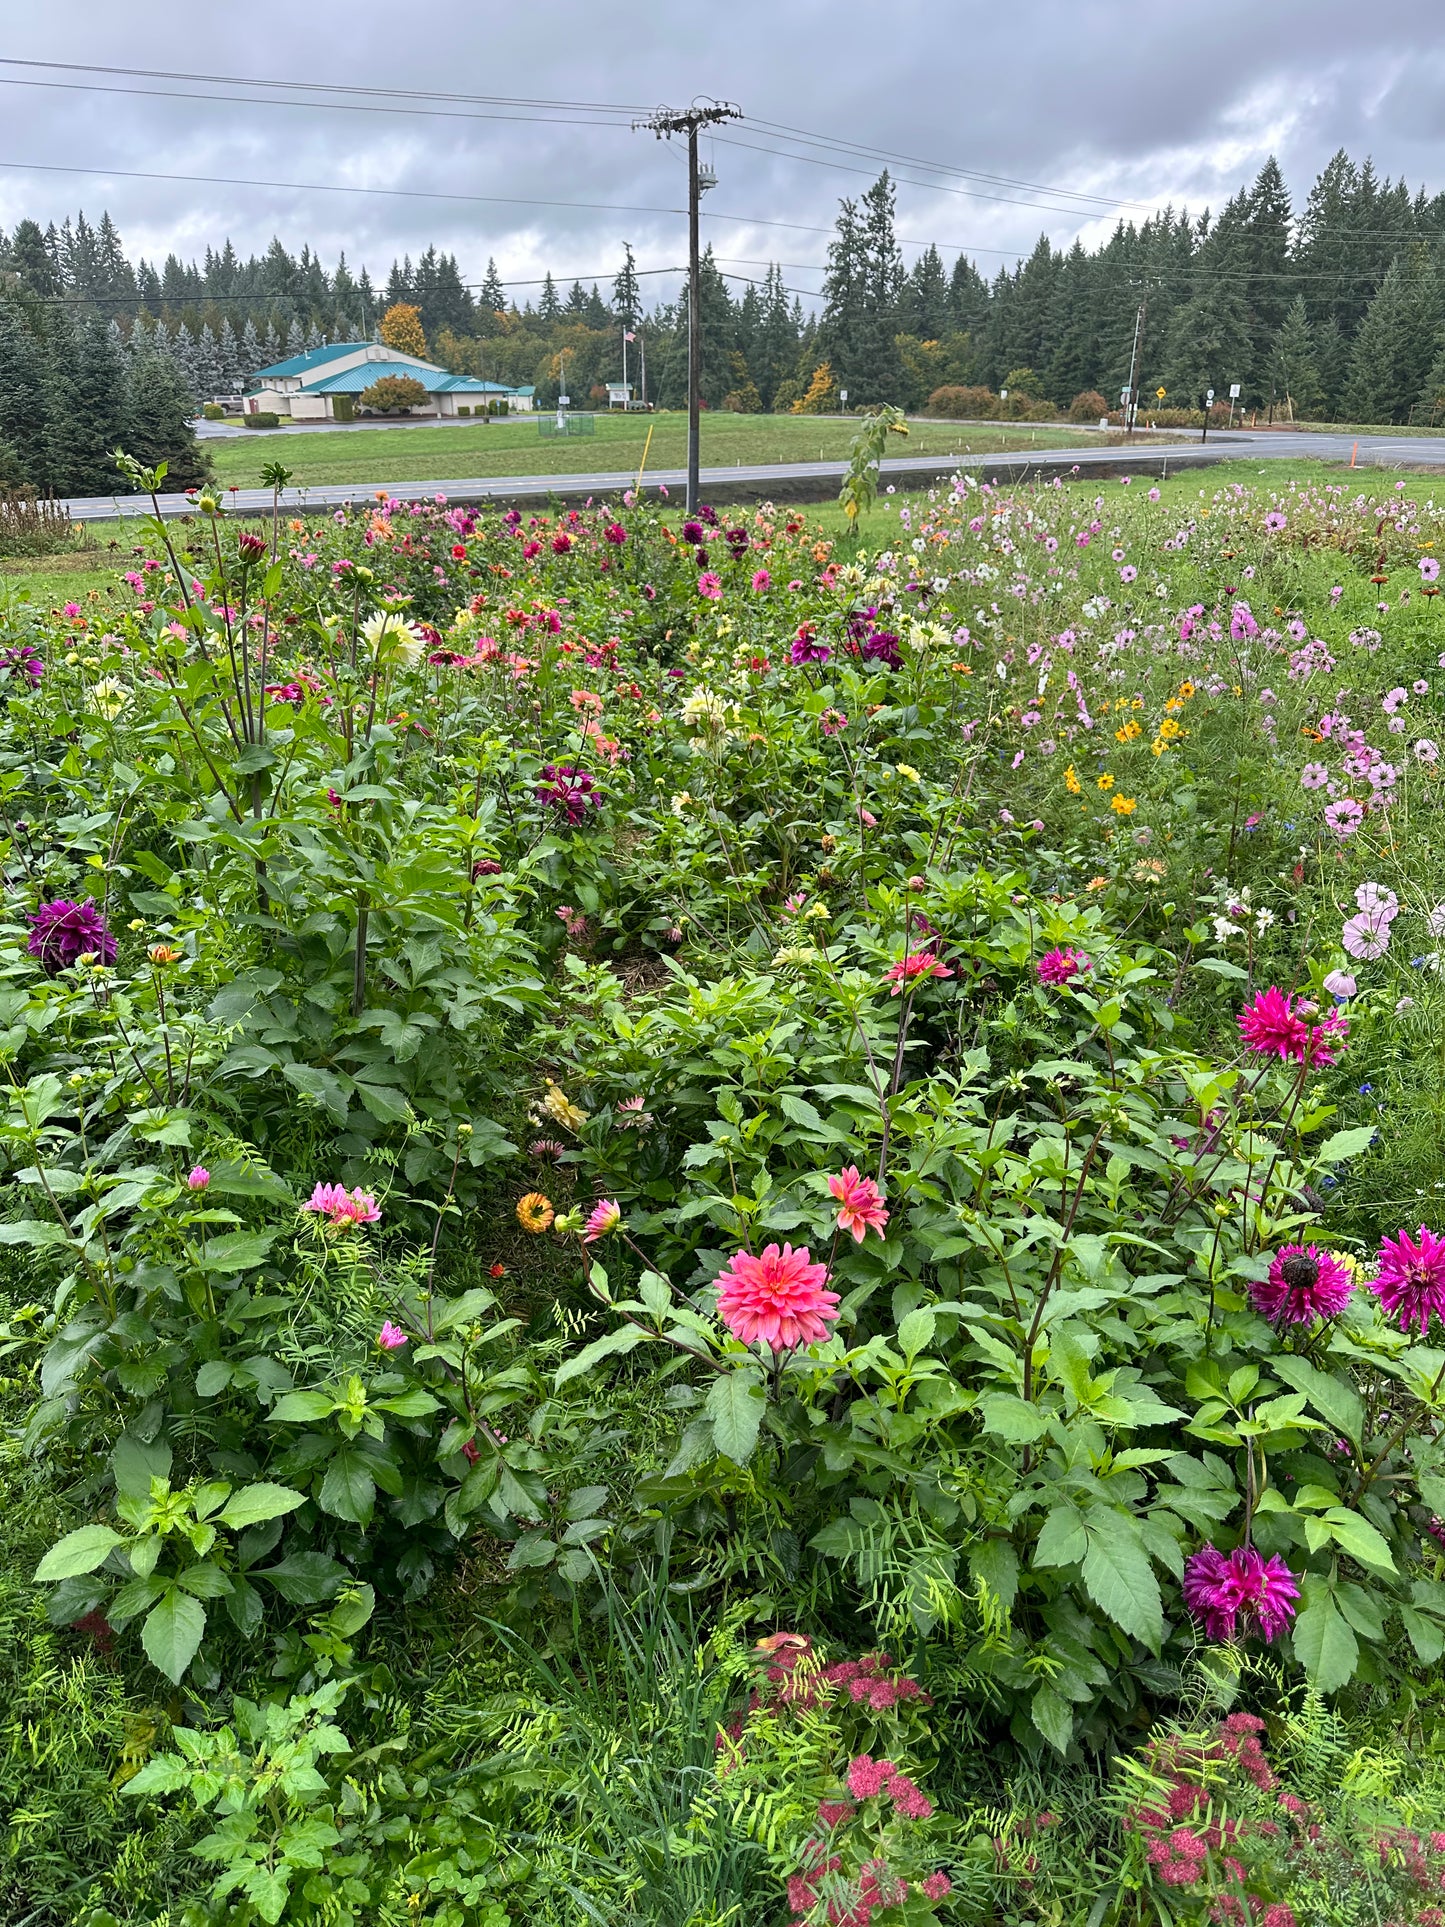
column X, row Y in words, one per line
column 1061, row 966
column 61, row 932
column 1274, row 1026
column 1410, row 1283
column 568, row 790
column 1239, row 1591
column 602, row 1220
column 1304, row 1284
column 779, row 1298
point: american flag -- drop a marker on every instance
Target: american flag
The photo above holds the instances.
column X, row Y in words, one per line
column 628, row 335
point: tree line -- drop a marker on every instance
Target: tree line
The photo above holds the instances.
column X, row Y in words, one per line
column 1333, row 310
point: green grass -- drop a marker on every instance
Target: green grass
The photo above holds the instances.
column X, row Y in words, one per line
column 515, row 447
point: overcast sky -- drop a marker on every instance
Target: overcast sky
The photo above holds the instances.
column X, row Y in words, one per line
column 1133, row 102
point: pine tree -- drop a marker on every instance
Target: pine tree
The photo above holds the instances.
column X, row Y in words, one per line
column 182, row 351
column 295, row 339
column 253, row 355
column 549, row 308
column 1293, row 371
column 626, row 297
column 1208, row 343
column 493, row 296
column 314, row 339
column 1380, row 387
column 861, row 289
column 31, row 260
column 85, row 400
column 22, row 392
column 233, row 373
column 158, row 423
column 209, row 375
column 774, row 354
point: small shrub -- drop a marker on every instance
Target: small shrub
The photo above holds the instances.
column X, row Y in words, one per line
column 263, row 418
column 964, row 404
column 393, row 395
column 33, row 525
column 1087, row 406
column 214, row 412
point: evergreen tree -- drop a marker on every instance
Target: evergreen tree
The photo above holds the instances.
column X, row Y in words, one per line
column 493, row 297
column 22, row 392
column 626, row 297
column 85, row 407
column 923, row 307
column 596, row 314
column 295, row 339
column 549, row 308
column 30, row 259
column 314, row 339
column 253, row 355
column 233, row 372
column 861, row 289
column 1293, row 371
column 182, row 351
column 209, row 378
column 158, row 423
column 1208, row 343
column 717, row 325
column 1384, row 378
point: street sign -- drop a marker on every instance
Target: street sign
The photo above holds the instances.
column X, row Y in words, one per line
column 563, row 400
column 1209, row 394
column 1124, row 394
column 1003, row 394
column 1234, row 391
column 843, row 396
column 1160, row 393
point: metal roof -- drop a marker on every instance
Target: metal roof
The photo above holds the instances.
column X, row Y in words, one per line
column 351, row 381
column 313, row 358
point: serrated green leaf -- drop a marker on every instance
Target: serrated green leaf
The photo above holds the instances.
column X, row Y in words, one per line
column 236, row 1250
column 1119, row 1579
column 613, row 1345
column 79, row 1551
column 1323, row 1643
column 1053, row 1717
column 172, row 1632
column 1346, row 1144
column 349, row 1491
column 735, row 1403
column 254, row 1504
column 1333, row 1398
column 915, row 1332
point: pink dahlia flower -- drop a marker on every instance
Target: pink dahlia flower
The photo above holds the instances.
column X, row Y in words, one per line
column 1224, row 1588
column 779, row 1298
column 62, row 932
column 860, row 1204
column 1304, row 1284
column 1061, row 966
column 343, row 1208
column 1274, row 1027
column 1410, row 1283
column 604, row 1216
column 916, row 965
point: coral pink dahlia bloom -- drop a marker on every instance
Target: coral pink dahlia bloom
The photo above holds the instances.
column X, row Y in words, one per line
column 1411, row 1279
column 915, row 965
column 860, row 1204
column 1304, row 1283
column 778, row 1298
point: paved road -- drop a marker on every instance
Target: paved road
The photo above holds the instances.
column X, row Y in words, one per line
column 818, row 481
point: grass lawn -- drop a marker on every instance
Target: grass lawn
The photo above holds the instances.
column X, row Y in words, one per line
column 399, row 455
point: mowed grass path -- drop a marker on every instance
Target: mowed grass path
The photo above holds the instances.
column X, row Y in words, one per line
column 516, row 447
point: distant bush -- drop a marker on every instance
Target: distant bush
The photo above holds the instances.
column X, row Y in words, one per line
column 1088, row 406
column 964, row 404
column 343, row 408
column 393, row 395
column 31, row 525
column 463, row 408
column 214, row 412
column 263, row 419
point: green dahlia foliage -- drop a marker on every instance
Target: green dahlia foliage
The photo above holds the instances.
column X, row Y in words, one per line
column 545, row 1050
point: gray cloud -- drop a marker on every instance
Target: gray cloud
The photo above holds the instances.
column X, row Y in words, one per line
column 1124, row 99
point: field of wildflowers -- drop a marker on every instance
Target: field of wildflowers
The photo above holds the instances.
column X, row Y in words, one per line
column 707, row 1225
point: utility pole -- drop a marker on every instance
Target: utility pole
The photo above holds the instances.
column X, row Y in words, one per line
column 664, row 124
column 1134, row 359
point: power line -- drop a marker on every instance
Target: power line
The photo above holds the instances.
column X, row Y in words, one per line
column 332, row 106
column 322, row 86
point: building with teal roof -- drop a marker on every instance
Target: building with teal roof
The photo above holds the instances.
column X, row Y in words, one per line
column 325, row 384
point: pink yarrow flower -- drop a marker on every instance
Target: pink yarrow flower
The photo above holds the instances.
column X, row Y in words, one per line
column 343, row 1208
column 1410, row 1283
column 778, row 1299
column 1061, row 966
column 605, row 1216
column 860, row 1204
column 391, row 1337
column 911, row 968
column 1223, row 1589
column 1304, row 1284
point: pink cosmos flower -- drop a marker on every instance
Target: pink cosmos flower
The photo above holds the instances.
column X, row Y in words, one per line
column 778, row 1299
column 1339, row 983
column 1304, row 1283
column 1272, row 1027
column 1366, row 936
column 199, row 1179
column 914, row 965
column 604, row 1216
column 1429, row 568
column 860, row 1204
column 391, row 1337
column 1061, row 966
column 1377, row 902
column 341, row 1208
column 1221, row 1589
column 1345, row 817
column 1410, row 1283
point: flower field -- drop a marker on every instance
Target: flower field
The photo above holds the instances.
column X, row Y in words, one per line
column 707, row 1225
